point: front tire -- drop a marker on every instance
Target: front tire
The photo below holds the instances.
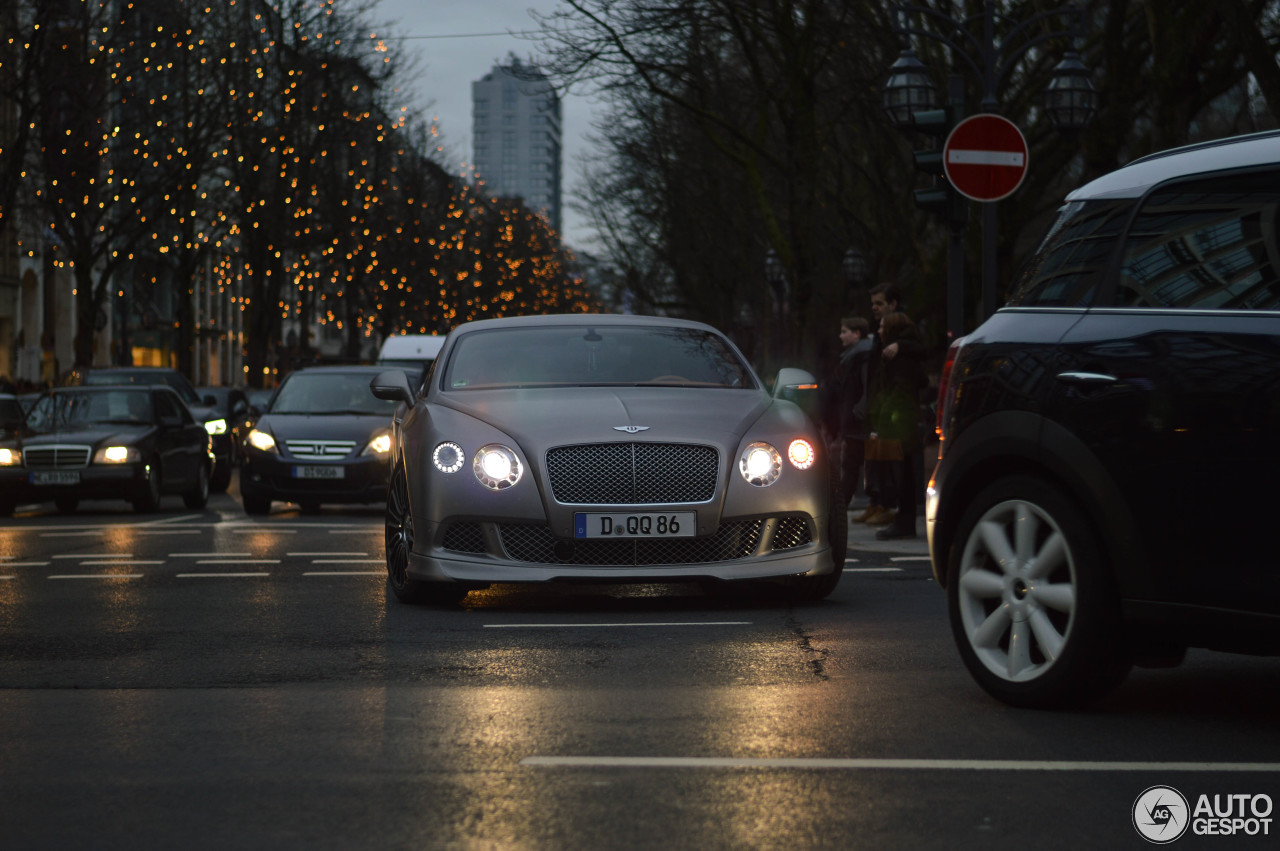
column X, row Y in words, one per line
column 811, row 589
column 198, row 496
column 1033, row 606
column 399, row 543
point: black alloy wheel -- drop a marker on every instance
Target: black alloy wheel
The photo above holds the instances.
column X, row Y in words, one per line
column 399, row 543
column 811, row 589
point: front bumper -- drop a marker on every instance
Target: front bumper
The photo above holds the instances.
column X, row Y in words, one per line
column 97, row 481
column 360, row 480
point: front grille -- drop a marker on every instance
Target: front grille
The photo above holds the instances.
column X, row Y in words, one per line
column 320, row 450
column 633, row 473
column 466, row 537
column 56, row 457
column 791, row 532
column 536, row 544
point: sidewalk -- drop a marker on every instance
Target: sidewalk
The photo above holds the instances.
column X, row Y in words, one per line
column 862, row 538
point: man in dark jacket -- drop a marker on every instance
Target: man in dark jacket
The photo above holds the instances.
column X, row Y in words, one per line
column 843, row 410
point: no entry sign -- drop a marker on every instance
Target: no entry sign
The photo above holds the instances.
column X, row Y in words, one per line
column 985, row 157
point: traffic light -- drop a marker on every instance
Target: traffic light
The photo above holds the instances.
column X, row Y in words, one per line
column 940, row 199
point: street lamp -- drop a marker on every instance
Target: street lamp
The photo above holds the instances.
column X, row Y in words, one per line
column 776, row 275
column 1070, row 100
column 854, row 266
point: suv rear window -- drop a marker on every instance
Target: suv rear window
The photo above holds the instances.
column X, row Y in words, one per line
column 1068, row 268
column 1207, row 243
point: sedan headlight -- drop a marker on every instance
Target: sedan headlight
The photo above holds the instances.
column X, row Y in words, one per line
column 380, row 445
column 448, row 457
column 216, row 426
column 497, row 467
column 760, row 465
column 801, row 454
column 262, row 440
column 117, row 455
column 10, row 457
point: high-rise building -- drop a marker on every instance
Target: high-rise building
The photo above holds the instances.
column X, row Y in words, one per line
column 515, row 117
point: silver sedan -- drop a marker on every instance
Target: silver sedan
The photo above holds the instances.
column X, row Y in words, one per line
column 600, row 447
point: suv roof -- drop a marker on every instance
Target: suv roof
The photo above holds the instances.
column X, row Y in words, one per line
column 1133, row 180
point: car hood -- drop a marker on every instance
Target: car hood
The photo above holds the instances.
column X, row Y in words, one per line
column 360, row 428
column 91, row 434
column 541, row 418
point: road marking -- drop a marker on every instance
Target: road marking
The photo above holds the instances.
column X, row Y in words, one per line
column 873, row 570
column 72, row 534
column 26, row 564
column 172, row 520
column 348, row 561
column 610, row 625
column 254, row 530
column 851, row 561
column 167, row 531
column 97, row 576
column 218, row 575
column 344, row 573
column 238, row 561
column 328, row 555
column 210, row 555
column 909, row 558
column 8, row 577
column 352, row 529
column 94, row 555
column 115, row 562
column 889, row 764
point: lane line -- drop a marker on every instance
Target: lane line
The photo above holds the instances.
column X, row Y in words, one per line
column 168, row 531
column 72, row 534
column 210, row 555
column 610, row 625
column 238, row 561
column 118, row 563
column 873, row 570
column 218, row 575
column 7, row 577
column 25, row 564
column 328, row 555
column 909, row 558
column 352, row 529
column 94, row 555
column 892, row 764
column 96, row 576
column 258, row 529
column 348, row 561
column 344, row 573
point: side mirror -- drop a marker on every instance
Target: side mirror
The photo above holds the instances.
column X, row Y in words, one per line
column 393, row 386
column 798, row 386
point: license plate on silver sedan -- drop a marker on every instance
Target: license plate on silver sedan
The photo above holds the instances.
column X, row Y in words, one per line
column 59, row 478
column 655, row 524
column 318, row 471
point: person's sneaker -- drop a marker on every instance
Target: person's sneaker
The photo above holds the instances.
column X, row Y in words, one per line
column 867, row 512
column 892, row 531
column 882, row 517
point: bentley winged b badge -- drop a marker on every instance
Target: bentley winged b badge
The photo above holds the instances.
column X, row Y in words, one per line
column 630, row 429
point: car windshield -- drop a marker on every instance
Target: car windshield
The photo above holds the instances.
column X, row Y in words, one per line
column 329, row 393
column 573, row 355
column 77, row 408
column 159, row 376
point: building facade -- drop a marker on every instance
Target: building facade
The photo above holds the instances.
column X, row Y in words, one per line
column 516, row 135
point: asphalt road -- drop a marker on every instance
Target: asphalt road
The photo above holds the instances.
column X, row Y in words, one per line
column 206, row 680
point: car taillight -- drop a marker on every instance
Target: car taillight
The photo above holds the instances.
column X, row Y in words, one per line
column 945, row 397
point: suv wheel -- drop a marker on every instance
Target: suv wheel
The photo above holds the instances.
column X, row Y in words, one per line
column 1033, row 607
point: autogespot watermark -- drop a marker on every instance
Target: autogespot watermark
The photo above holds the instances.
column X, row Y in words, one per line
column 1162, row 814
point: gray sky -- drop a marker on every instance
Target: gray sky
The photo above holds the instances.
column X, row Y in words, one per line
column 447, row 63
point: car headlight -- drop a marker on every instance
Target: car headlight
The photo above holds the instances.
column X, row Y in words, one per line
column 760, row 465
column 10, row 457
column 216, row 426
column 262, row 440
column 800, row 453
column 497, row 467
column 448, row 457
column 380, row 445
column 117, row 455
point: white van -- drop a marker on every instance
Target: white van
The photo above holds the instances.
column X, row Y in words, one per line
column 411, row 351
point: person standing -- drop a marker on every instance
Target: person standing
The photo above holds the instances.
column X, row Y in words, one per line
column 843, row 411
column 895, row 414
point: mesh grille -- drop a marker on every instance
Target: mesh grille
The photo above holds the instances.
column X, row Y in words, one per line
column 464, row 538
column 55, row 457
column 791, row 532
column 632, row 473
column 536, row 544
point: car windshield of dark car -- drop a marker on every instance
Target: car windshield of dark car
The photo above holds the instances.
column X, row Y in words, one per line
column 559, row 356
column 159, row 376
column 72, row 409
column 329, row 393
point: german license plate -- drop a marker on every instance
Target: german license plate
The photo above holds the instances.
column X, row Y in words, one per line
column 656, row 524
column 62, row 477
column 318, row 471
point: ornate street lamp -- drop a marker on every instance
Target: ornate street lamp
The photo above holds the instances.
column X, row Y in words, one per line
column 1071, row 100
column 908, row 89
column 854, row 266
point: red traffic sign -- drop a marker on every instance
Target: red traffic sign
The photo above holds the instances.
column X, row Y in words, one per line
column 985, row 157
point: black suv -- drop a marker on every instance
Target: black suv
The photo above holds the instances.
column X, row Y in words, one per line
column 1111, row 437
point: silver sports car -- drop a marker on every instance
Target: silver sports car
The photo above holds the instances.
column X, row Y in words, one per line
column 596, row 447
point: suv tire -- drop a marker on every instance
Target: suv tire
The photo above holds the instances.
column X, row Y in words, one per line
column 1033, row 606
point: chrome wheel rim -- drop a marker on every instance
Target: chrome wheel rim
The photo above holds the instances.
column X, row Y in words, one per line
column 399, row 534
column 1017, row 591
